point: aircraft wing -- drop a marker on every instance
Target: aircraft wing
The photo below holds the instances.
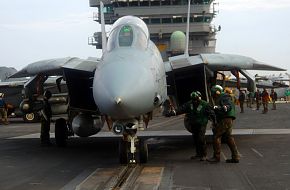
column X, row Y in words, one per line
column 188, row 73
column 53, row 67
column 78, row 74
column 219, row 62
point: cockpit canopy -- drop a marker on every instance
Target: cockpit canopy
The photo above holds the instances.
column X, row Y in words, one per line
column 128, row 31
column 125, row 36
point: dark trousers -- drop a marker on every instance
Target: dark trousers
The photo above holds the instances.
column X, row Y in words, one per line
column 224, row 129
column 3, row 113
column 274, row 105
column 258, row 104
column 265, row 106
column 44, row 134
column 198, row 134
column 242, row 106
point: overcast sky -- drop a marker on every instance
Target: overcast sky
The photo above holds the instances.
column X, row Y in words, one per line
column 32, row 30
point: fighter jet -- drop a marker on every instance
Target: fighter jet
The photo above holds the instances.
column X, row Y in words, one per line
column 272, row 81
column 129, row 81
column 5, row 72
column 261, row 82
column 13, row 90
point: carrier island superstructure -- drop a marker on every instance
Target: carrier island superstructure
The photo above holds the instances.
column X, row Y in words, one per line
column 166, row 21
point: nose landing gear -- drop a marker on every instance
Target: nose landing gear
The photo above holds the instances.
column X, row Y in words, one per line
column 132, row 149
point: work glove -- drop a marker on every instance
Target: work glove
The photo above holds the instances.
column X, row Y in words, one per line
column 221, row 108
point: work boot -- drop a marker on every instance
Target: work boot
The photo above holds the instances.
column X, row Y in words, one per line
column 203, row 158
column 195, row 157
column 232, row 160
column 214, row 160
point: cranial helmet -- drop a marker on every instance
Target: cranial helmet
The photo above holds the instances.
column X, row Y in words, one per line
column 195, row 95
column 216, row 89
column 228, row 90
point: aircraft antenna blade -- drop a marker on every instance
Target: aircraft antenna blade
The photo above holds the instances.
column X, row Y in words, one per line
column 104, row 37
column 187, row 30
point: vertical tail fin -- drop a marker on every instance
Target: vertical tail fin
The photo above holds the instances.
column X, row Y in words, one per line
column 104, row 37
column 187, row 30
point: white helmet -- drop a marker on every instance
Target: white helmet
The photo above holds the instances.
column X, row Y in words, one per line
column 216, row 89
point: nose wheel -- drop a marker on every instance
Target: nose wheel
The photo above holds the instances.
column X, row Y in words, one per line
column 132, row 150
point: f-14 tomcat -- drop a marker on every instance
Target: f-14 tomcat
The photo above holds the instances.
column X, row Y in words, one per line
column 129, row 82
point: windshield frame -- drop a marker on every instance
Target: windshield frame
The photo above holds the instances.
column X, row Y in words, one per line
column 140, row 39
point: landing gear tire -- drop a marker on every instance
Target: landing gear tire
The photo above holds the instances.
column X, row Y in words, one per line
column 61, row 132
column 123, row 152
column 143, row 151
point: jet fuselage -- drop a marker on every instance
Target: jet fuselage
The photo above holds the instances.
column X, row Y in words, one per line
column 130, row 80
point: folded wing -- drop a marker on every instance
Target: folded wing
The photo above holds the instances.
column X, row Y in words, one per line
column 52, row 67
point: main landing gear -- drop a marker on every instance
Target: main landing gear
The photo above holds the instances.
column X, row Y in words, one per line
column 132, row 149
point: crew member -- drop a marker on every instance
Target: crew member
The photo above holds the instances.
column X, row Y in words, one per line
column 198, row 112
column 265, row 100
column 274, row 98
column 250, row 100
column 242, row 98
column 230, row 92
column 225, row 113
column 45, row 120
column 258, row 98
column 3, row 110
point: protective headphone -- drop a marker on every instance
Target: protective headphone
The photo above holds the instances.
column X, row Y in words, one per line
column 195, row 95
column 217, row 89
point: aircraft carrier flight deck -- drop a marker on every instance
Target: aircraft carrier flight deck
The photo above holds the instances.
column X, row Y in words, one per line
column 92, row 163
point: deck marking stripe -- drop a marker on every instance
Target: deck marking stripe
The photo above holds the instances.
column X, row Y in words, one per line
column 98, row 179
column 257, row 152
column 169, row 133
column 78, row 179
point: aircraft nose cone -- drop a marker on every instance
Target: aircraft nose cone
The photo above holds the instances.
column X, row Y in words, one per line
column 118, row 100
column 124, row 90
